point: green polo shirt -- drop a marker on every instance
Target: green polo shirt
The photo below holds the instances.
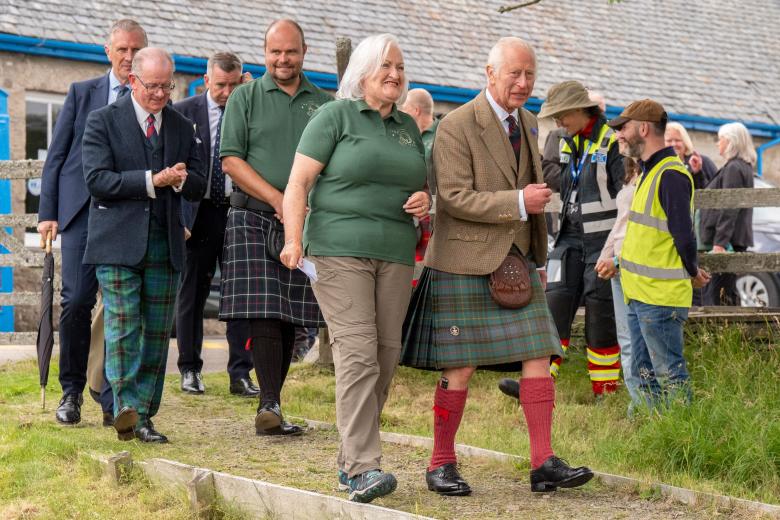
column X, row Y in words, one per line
column 372, row 166
column 427, row 139
column 262, row 125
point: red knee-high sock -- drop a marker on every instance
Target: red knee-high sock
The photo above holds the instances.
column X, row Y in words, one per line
column 537, row 397
column 447, row 411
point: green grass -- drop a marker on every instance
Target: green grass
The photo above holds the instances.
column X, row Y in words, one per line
column 727, row 441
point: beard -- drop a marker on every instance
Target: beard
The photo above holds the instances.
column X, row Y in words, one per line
column 634, row 148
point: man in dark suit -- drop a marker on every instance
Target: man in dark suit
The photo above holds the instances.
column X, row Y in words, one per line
column 140, row 157
column 64, row 209
column 206, row 221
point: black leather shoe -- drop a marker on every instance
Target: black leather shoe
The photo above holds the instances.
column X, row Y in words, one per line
column 192, row 382
column 269, row 421
column 244, row 387
column 69, row 410
column 445, row 480
column 124, row 422
column 108, row 419
column 555, row 473
column 510, row 387
column 147, row 433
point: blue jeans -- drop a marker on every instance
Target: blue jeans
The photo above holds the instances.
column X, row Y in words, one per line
column 657, row 348
column 624, row 340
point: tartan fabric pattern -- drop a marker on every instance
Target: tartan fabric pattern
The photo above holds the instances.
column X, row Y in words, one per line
column 453, row 322
column 255, row 286
column 138, row 314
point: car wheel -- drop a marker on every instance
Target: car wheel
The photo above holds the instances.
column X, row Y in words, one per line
column 758, row 290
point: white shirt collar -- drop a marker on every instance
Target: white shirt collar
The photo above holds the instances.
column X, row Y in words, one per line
column 113, row 81
column 213, row 106
column 141, row 114
column 499, row 110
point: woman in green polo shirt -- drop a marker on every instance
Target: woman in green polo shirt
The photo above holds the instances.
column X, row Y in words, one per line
column 364, row 162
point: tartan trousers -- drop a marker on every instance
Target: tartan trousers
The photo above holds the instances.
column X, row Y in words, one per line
column 139, row 310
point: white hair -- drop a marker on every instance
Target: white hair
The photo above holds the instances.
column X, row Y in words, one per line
column 740, row 144
column 686, row 139
column 496, row 55
column 151, row 54
column 365, row 61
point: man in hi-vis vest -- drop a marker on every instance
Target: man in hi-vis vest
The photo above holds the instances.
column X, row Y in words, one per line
column 658, row 264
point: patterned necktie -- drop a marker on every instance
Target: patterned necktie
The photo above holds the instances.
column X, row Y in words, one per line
column 514, row 135
column 217, row 175
column 122, row 91
column 151, row 131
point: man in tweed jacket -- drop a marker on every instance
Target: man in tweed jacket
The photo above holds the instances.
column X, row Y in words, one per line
column 490, row 201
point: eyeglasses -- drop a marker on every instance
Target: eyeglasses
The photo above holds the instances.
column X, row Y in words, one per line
column 154, row 88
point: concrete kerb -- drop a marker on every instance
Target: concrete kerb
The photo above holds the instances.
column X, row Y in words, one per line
column 255, row 497
column 682, row 495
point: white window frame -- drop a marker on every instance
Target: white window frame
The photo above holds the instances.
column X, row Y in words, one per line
column 48, row 99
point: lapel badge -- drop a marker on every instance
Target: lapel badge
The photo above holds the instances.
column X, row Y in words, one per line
column 455, row 330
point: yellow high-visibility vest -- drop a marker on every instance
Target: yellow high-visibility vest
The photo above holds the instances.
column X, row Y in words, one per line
column 651, row 270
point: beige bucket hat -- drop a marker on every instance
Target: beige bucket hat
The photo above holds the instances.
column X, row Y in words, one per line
column 565, row 96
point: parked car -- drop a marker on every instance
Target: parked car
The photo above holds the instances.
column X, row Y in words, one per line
column 762, row 289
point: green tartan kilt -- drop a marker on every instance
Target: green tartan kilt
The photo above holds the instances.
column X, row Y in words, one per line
column 453, row 322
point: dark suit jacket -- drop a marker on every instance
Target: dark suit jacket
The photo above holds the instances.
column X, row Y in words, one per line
column 729, row 226
column 196, row 109
column 115, row 172
column 63, row 192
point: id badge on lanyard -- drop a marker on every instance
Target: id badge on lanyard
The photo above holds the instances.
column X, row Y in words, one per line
column 575, row 169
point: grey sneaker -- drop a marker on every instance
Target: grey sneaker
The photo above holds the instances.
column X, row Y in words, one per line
column 343, row 481
column 370, row 485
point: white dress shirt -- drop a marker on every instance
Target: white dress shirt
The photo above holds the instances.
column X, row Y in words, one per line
column 114, row 86
column 214, row 115
column 502, row 116
column 141, row 115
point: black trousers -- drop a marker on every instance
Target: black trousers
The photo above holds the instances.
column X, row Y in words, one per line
column 579, row 282
column 79, row 294
column 204, row 250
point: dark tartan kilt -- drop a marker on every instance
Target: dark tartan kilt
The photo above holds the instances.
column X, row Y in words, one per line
column 453, row 322
column 255, row 286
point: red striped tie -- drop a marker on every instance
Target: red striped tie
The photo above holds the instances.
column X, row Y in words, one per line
column 151, row 131
column 514, row 135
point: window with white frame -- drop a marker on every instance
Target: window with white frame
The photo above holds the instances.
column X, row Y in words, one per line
column 42, row 109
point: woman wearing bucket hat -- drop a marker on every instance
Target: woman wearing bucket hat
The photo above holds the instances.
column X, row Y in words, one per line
column 591, row 176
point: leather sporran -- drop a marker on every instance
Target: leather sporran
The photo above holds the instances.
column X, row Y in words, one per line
column 275, row 240
column 510, row 284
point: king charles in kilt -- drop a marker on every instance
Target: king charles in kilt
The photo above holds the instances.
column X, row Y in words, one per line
column 490, row 202
column 140, row 157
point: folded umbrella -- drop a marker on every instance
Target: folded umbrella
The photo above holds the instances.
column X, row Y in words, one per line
column 45, row 341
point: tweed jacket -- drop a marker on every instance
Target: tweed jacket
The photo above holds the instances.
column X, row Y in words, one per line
column 477, row 207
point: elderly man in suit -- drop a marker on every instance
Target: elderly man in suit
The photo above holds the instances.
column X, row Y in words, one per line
column 490, row 204
column 64, row 209
column 140, row 157
column 207, row 220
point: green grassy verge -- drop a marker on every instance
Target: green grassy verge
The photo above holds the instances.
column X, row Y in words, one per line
column 727, row 441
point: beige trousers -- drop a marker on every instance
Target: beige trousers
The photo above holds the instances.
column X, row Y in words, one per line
column 364, row 303
column 96, row 358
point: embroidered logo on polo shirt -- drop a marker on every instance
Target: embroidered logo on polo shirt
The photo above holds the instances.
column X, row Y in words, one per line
column 309, row 108
column 404, row 138
column 455, row 330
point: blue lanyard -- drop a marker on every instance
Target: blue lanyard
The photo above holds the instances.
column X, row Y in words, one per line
column 576, row 169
